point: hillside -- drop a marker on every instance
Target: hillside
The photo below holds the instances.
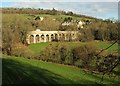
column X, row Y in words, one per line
column 20, row 20
column 27, row 71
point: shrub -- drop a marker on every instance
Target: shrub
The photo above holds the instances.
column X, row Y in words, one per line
column 86, row 35
column 21, row 50
column 50, row 53
column 69, row 57
column 58, row 53
column 83, row 55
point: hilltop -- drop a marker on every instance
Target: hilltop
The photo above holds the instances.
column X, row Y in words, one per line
column 42, row 11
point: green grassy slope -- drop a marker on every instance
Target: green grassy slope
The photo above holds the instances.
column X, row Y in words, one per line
column 103, row 45
column 58, row 17
column 36, row 48
column 18, row 70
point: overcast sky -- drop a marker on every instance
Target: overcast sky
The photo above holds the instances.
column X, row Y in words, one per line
column 101, row 9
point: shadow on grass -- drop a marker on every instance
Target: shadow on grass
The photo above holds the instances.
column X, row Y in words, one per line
column 19, row 73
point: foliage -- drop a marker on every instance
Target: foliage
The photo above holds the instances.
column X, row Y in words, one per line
column 15, row 29
column 69, row 57
column 68, row 28
column 86, row 35
column 83, row 55
column 54, row 53
column 103, row 31
column 21, row 50
column 48, row 24
column 106, row 64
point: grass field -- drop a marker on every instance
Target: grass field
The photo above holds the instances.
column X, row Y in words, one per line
column 36, row 48
column 17, row 70
column 106, row 44
column 40, row 46
column 58, row 17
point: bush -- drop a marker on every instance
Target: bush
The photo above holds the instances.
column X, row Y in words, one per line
column 83, row 55
column 21, row 50
column 69, row 57
column 58, row 53
column 86, row 35
column 50, row 53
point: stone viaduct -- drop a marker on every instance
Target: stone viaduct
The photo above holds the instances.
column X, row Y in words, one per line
column 49, row 36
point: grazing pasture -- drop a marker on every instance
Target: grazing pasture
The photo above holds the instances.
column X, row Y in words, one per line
column 17, row 70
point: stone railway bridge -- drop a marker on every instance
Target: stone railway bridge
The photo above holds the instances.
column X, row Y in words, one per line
column 49, row 36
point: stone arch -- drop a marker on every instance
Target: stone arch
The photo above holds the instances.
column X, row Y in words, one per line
column 56, row 37
column 70, row 37
column 67, row 37
column 31, row 38
column 47, row 38
column 37, row 38
column 63, row 37
column 42, row 38
column 60, row 37
column 52, row 37
column 73, row 37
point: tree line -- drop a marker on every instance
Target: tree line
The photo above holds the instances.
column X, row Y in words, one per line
column 100, row 30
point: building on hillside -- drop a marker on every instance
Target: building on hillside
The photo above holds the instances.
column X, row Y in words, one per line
column 66, row 23
column 78, row 23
